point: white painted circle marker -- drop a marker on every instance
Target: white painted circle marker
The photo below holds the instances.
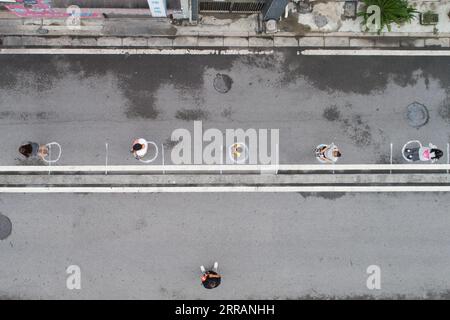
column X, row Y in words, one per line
column 49, row 145
column 408, row 144
column 156, row 153
column 236, row 155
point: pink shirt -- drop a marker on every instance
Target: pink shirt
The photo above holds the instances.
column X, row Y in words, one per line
column 424, row 154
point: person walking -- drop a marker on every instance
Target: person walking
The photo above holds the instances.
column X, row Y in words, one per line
column 211, row 279
column 139, row 148
column 33, row 149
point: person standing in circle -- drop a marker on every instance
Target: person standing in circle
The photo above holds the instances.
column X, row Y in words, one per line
column 211, row 279
column 328, row 153
column 430, row 153
column 33, row 149
column 139, row 148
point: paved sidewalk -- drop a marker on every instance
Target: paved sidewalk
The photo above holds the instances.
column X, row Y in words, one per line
column 329, row 16
column 213, row 32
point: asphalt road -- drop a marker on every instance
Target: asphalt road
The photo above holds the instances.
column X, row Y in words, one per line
column 268, row 245
column 82, row 102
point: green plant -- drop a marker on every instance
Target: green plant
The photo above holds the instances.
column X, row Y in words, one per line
column 391, row 11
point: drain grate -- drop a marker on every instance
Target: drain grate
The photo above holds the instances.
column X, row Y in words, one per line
column 417, row 115
column 232, row 6
column 222, row 83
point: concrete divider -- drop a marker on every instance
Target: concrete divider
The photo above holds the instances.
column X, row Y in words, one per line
column 222, row 189
column 88, row 180
column 248, row 168
column 196, row 40
column 225, row 178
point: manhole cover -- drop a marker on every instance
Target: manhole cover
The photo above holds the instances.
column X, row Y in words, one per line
column 222, row 83
column 417, row 114
column 320, row 20
column 5, row 227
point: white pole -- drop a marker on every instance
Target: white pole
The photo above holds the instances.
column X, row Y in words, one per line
column 278, row 158
column 106, row 158
column 448, row 155
column 50, row 158
column 162, row 150
column 221, row 158
column 332, row 143
column 390, row 171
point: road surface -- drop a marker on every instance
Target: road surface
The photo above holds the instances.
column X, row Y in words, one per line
column 285, row 246
column 83, row 102
column 150, row 246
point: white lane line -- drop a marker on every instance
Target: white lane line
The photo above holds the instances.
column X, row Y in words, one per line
column 131, row 51
column 276, row 189
column 230, row 168
column 375, row 52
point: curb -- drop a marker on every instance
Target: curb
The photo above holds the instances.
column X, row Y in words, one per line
column 17, row 41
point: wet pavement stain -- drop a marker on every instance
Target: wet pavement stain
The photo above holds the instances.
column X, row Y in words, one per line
column 142, row 106
column 358, row 75
column 357, row 130
column 444, row 109
column 269, row 62
column 169, row 143
column 323, row 195
column 27, row 116
column 351, row 124
column 144, row 76
column 191, row 114
column 227, row 113
column 28, row 75
column 332, row 113
column 139, row 77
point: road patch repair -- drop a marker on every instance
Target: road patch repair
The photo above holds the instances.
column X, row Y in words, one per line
column 226, row 178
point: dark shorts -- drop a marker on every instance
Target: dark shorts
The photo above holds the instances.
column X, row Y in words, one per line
column 412, row 154
column 211, row 283
column 34, row 149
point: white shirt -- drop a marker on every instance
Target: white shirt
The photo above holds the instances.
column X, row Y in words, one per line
column 140, row 153
column 329, row 153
